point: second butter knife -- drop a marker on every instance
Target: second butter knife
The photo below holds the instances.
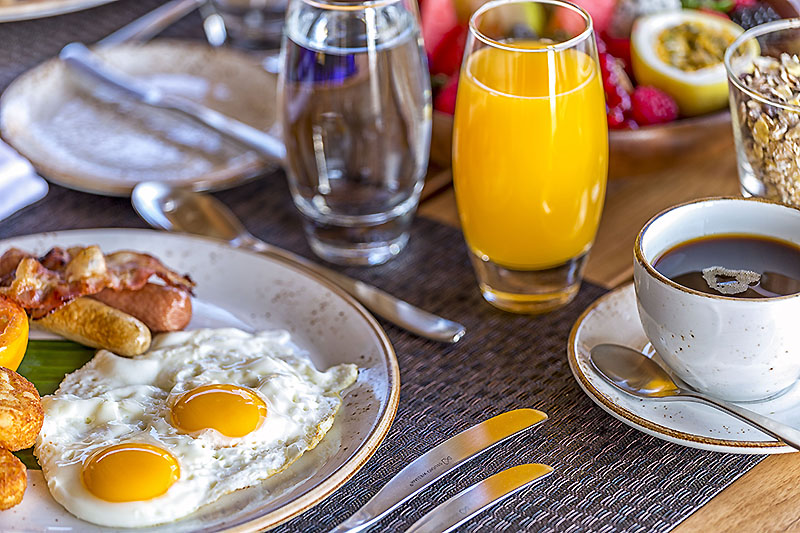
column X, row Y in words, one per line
column 439, row 461
column 479, row 497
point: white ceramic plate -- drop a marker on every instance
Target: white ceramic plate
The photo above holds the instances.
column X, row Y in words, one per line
column 36, row 9
column 243, row 289
column 613, row 318
column 90, row 138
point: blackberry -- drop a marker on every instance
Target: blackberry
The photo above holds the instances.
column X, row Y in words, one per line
column 749, row 17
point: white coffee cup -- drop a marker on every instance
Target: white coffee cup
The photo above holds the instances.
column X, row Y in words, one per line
column 733, row 348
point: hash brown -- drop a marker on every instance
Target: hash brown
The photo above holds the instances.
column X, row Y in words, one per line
column 21, row 413
column 13, row 480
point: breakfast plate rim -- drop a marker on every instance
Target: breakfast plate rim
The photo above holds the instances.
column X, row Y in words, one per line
column 632, row 419
column 368, row 445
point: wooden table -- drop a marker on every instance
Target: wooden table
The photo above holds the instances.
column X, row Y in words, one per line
column 765, row 498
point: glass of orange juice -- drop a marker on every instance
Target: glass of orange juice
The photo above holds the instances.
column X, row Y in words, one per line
column 530, row 151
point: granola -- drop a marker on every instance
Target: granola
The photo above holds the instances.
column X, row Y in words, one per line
column 770, row 134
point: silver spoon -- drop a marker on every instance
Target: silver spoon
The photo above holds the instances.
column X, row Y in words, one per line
column 635, row 373
column 176, row 209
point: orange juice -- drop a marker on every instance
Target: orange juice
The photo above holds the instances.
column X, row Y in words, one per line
column 530, row 154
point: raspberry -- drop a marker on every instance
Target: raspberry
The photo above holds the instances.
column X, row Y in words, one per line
column 652, row 106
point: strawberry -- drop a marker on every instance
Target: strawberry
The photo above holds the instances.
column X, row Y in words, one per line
column 446, row 56
column 601, row 12
column 616, row 118
column 438, row 17
column 630, row 124
column 619, row 47
column 445, row 101
column 652, row 106
column 616, row 83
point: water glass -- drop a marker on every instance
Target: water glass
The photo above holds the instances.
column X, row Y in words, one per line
column 355, row 108
column 256, row 24
column 530, row 151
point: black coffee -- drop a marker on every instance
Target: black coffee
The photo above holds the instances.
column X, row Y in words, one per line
column 740, row 266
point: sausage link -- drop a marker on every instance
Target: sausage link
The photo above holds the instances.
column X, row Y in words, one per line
column 98, row 325
column 160, row 307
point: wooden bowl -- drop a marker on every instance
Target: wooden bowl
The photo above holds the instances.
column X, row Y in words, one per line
column 632, row 153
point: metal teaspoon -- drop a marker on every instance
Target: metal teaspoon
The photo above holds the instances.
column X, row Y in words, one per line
column 636, row 374
column 176, row 209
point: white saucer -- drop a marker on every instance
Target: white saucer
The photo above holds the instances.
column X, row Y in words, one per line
column 613, row 318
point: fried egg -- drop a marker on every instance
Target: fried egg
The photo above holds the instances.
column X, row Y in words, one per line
column 133, row 442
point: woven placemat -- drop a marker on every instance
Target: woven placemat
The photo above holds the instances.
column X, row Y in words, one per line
column 608, row 476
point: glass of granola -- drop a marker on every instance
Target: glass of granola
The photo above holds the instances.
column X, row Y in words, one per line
column 763, row 67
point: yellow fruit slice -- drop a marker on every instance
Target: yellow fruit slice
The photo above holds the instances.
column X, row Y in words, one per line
column 13, row 334
column 680, row 52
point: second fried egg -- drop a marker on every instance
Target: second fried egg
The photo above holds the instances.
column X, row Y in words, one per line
column 143, row 441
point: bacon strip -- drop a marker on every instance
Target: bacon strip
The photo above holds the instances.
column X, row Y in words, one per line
column 43, row 285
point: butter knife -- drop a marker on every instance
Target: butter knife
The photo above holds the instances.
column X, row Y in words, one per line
column 437, row 462
column 79, row 59
column 479, row 497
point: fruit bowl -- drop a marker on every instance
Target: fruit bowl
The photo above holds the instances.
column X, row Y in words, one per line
column 663, row 135
column 632, row 153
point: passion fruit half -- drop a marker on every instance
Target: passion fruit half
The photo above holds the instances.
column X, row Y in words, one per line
column 681, row 52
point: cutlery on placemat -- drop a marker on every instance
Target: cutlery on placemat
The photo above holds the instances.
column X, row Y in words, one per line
column 636, row 374
column 176, row 209
column 479, row 497
column 82, row 61
column 437, row 462
column 152, row 23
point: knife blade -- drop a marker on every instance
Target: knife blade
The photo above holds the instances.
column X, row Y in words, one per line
column 439, row 461
column 79, row 59
column 479, row 497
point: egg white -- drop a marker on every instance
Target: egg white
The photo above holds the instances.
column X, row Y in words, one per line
column 113, row 400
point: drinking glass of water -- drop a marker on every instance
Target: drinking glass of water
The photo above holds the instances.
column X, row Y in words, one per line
column 355, row 108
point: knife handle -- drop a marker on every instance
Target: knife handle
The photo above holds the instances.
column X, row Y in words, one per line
column 479, row 497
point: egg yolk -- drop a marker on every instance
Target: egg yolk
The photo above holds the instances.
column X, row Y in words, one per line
column 130, row 472
column 233, row 411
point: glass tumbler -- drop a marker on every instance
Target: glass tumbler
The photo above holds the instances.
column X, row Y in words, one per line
column 355, row 108
column 255, row 24
column 530, row 151
column 763, row 66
